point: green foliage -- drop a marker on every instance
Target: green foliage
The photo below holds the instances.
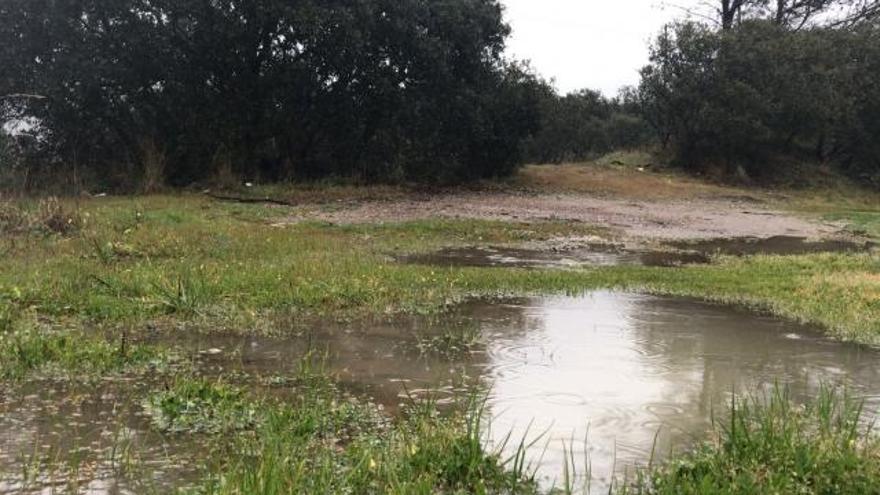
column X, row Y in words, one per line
column 775, row 446
column 189, row 90
column 196, row 406
column 324, row 444
column 27, row 348
column 760, row 96
column 451, row 342
column 583, row 125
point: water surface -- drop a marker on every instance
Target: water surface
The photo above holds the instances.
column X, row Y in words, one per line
column 620, row 370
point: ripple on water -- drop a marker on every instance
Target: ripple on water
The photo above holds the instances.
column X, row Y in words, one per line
column 615, row 368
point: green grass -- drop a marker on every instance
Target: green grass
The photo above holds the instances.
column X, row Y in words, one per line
column 29, row 348
column 188, row 259
column 198, row 406
column 864, row 222
column 185, row 262
column 322, row 441
column 772, row 445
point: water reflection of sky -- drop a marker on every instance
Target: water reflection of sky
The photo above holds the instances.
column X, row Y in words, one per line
column 617, row 367
column 622, row 368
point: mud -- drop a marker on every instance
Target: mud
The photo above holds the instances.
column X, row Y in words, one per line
column 684, row 219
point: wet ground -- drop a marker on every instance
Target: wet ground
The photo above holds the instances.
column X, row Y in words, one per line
column 719, row 216
column 593, row 255
column 61, row 437
column 675, row 253
column 616, row 369
column 781, row 245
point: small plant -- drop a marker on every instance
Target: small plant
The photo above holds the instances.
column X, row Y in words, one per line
column 197, row 406
column 108, row 252
column 48, row 216
column 452, row 342
column 25, row 347
column 184, row 296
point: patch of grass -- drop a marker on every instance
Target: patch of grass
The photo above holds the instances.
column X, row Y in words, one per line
column 27, row 348
column 197, row 406
column 326, row 444
column 771, row 445
column 622, row 175
column 223, row 272
column 859, row 222
column 46, row 216
column 451, row 342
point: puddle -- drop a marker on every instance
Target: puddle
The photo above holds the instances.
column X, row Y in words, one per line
column 781, row 245
column 683, row 253
column 596, row 255
column 58, row 437
column 617, row 369
column 619, row 366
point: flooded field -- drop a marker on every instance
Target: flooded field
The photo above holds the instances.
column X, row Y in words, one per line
column 616, row 370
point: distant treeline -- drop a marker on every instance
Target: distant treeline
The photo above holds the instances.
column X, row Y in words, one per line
column 758, row 88
column 584, row 124
column 177, row 91
column 143, row 93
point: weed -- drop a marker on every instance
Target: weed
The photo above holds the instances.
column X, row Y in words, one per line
column 451, row 342
column 769, row 444
column 48, row 216
column 28, row 348
column 197, row 406
column 184, row 296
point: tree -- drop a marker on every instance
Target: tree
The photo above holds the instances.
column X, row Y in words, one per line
column 378, row 90
column 760, row 95
column 792, row 14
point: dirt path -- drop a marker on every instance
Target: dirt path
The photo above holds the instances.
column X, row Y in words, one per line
column 682, row 219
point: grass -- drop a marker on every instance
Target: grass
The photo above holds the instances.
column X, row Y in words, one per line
column 226, row 266
column 631, row 174
column 28, row 347
column 450, row 342
column 325, row 442
column 186, row 262
column 199, row 406
column 773, row 445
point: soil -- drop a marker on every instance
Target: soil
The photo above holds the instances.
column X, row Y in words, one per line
column 660, row 220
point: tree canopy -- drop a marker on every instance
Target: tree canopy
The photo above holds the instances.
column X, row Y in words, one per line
column 184, row 90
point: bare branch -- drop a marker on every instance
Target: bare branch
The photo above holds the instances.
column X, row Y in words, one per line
column 23, row 96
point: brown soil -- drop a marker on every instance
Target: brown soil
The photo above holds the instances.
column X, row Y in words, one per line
column 676, row 219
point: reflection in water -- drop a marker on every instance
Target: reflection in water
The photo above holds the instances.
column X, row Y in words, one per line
column 626, row 369
column 618, row 369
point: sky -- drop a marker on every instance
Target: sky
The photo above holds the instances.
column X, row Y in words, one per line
column 597, row 44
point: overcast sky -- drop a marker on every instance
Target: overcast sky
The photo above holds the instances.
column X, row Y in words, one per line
column 588, row 43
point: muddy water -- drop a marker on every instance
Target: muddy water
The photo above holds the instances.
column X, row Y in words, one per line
column 597, row 255
column 617, row 369
column 681, row 253
column 782, row 245
column 620, row 369
column 59, row 437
